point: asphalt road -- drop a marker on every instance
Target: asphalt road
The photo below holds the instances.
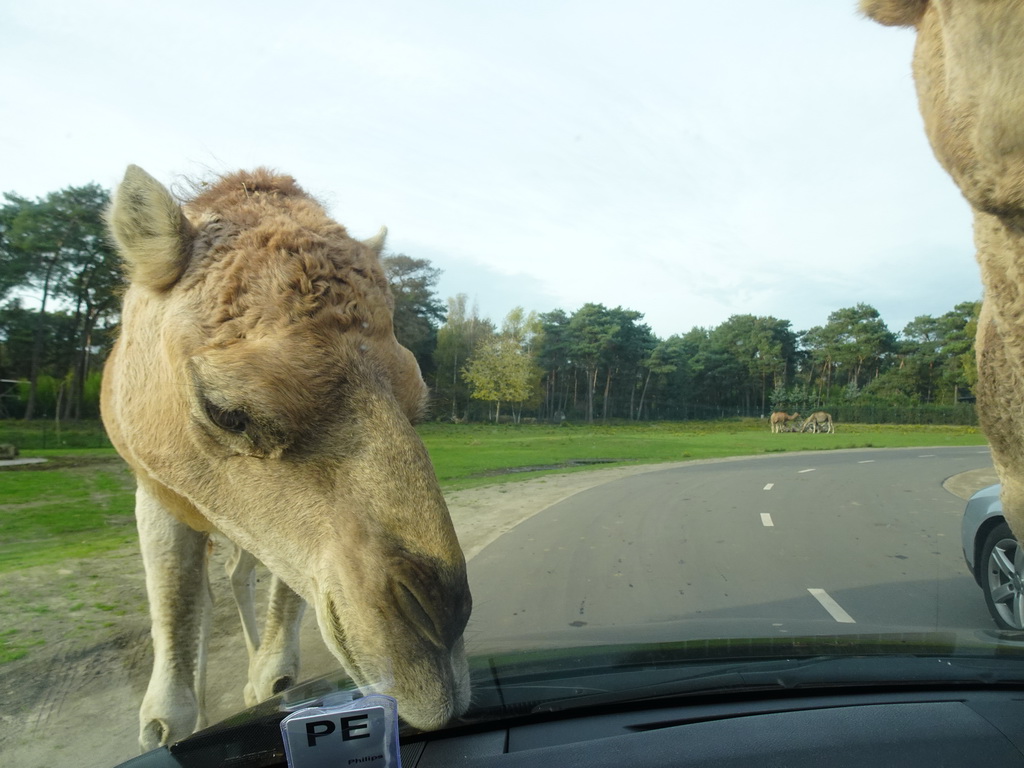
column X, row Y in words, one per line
column 850, row 541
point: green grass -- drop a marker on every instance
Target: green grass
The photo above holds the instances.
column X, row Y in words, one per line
column 463, row 455
column 80, row 503
column 73, row 508
column 14, row 646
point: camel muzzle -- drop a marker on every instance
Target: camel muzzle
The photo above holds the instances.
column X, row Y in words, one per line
column 439, row 614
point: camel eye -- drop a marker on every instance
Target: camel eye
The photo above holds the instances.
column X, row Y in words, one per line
column 230, row 421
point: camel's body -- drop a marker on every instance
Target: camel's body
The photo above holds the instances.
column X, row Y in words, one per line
column 257, row 392
column 779, row 420
column 969, row 73
column 819, row 421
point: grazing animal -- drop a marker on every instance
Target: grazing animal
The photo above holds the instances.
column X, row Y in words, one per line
column 969, row 73
column 258, row 393
column 819, row 421
column 779, row 420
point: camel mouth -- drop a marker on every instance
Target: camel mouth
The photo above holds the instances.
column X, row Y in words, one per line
column 427, row 676
column 432, row 599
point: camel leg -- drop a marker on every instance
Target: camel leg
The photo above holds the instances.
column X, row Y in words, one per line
column 241, row 570
column 206, row 621
column 174, row 556
column 274, row 661
column 275, row 665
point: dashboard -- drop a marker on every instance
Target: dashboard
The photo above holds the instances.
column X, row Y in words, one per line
column 961, row 728
column 947, row 726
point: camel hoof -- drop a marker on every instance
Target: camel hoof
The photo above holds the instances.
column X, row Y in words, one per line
column 252, row 697
column 153, row 735
column 282, row 683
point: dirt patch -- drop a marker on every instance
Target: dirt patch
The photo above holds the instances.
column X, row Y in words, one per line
column 60, row 462
column 20, row 462
column 966, row 484
column 75, row 694
column 544, row 467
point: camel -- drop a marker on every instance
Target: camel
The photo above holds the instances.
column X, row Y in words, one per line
column 819, row 421
column 969, row 73
column 258, row 394
column 779, row 420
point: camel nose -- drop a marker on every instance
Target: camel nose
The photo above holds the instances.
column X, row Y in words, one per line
column 436, row 604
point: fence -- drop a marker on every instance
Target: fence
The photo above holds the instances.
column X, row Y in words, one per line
column 960, row 414
column 42, row 435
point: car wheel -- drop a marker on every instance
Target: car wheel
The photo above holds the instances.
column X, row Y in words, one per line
column 1002, row 577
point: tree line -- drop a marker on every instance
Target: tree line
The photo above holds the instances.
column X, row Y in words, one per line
column 601, row 363
column 60, row 283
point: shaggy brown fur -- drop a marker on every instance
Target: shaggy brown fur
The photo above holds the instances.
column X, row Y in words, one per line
column 258, row 392
column 264, row 226
column 969, row 73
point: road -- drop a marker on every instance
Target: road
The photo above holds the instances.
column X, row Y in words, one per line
column 851, row 541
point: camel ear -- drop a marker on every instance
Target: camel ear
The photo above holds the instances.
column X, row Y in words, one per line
column 150, row 230
column 894, row 13
column 376, row 243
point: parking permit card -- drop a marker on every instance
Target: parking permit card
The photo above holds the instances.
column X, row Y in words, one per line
column 360, row 734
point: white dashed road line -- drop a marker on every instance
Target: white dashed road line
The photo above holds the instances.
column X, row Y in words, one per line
column 800, row 472
column 830, row 605
column 769, row 486
column 869, row 461
column 766, row 520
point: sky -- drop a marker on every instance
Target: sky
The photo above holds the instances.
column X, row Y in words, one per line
column 688, row 160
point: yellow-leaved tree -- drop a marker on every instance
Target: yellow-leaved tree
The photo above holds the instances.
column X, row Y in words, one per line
column 502, row 368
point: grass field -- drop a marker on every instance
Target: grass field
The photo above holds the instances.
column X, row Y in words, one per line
column 76, row 505
column 80, row 502
column 469, row 455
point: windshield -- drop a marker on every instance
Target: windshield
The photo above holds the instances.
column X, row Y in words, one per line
column 660, row 378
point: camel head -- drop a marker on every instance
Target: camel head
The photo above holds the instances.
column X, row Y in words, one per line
column 969, row 72
column 257, row 389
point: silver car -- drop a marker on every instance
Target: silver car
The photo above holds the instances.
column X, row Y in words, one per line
column 994, row 557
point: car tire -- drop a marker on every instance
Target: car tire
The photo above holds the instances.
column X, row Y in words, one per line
column 1002, row 577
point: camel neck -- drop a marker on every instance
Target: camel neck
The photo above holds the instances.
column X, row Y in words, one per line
column 1001, row 258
